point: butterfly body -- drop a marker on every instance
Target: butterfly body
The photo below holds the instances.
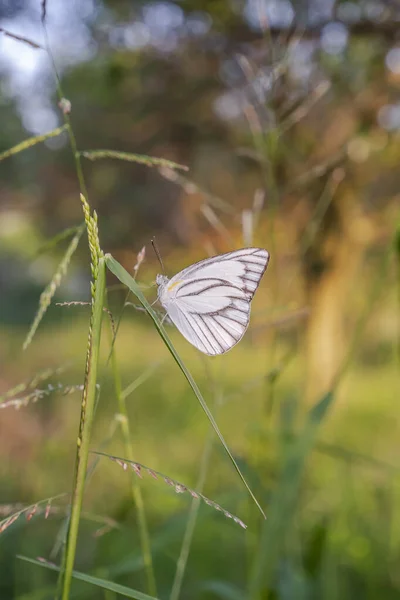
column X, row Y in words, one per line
column 209, row 302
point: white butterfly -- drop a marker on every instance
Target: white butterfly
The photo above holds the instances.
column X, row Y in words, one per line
column 209, row 302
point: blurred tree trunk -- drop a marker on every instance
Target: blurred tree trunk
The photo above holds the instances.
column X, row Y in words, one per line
column 331, row 263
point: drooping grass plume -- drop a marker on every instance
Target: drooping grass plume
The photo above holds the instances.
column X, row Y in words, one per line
column 40, row 393
column 47, row 508
column 180, row 488
column 149, row 161
column 32, row 141
column 42, row 507
column 32, row 383
column 48, row 293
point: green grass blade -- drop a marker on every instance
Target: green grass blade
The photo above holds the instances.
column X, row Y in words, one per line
column 55, row 240
column 187, row 540
column 125, row 278
column 103, row 583
column 283, row 503
column 132, row 387
column 32, row 141
column 149, row 161
column 137, row 496
column 223, row 590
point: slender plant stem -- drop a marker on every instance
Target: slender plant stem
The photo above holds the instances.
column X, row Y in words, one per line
column 192, row 520
column 128, row 450
column 195, row 506
column 67, row 120
column 267, row 147
column 87, row 413
column 135, row 488
column 397, row 284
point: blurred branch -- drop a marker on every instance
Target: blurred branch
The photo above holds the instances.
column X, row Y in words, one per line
column 301, row 111
column 319, row 170
column 388, row 29
column 192, row 188
column 20, row 38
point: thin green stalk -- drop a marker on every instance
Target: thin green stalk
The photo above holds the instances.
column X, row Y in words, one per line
column 397, row 282
column 191, row 523
column 65, row 577
column 122, row 396
column 193, row 513
column 275, row 282
column 67, row 120
column 267, row 147
column 135, row 488
column 87, row 413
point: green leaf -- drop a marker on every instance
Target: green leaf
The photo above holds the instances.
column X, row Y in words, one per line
column 283, row 504
column 125, row 278
column 103, row 583
column 54, row 241
column 223, row 589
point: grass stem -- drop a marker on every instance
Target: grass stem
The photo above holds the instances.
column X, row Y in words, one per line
column 87, row 413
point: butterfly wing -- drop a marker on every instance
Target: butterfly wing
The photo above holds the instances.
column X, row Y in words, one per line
column 209, row 302
column 240, row 268
column 214, row 325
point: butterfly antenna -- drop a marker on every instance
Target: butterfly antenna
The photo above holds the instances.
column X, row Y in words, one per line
column 156, row 250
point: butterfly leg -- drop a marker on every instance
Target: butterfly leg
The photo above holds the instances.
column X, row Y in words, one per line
column 166, row 318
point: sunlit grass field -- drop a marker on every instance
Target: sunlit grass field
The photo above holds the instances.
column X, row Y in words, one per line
column 344, row 527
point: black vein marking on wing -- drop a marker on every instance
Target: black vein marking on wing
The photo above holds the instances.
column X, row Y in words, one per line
column 241, row 323
column 235, row 333
column 218, row 283
column 234, row 255
column 212, row 334
column 254, row 261
column 196, row 335
column 239, row 332
column 236, row 307
column 230, row 322
column 198, row 330
column 251, row 283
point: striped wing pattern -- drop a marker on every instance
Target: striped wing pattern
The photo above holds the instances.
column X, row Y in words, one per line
column 209, row 302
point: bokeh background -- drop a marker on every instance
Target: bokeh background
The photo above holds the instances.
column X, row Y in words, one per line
column 287, row 115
